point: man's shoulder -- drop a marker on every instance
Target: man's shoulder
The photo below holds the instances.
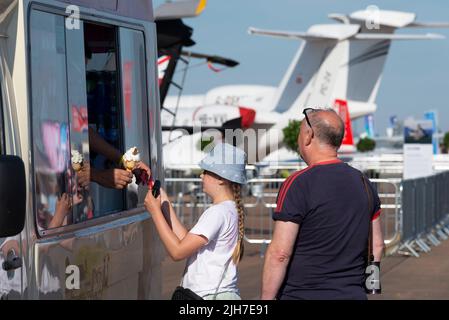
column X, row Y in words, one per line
column 297, row 181
column 356, row 172
column 302, row 177
column 299, row 176
column 311, row 171
column 336, row 167
column 351, row 169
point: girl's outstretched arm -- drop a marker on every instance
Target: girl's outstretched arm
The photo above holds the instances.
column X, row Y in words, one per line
column 167, row 209
column 177, row 248
column 170, row 215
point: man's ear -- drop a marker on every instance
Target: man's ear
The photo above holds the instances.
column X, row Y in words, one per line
column 308, row 137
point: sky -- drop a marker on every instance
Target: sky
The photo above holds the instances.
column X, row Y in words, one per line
column 416, row 73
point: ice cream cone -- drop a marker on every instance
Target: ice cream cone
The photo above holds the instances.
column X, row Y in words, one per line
column 77, row 160
column 130, row 159
column 77, row 166
column 129, row 165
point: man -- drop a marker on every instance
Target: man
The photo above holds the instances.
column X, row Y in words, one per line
column 322, row 221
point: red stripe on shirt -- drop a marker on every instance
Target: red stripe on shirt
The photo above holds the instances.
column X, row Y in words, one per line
column 376, row 215
column 284, row 185
column 289, row 182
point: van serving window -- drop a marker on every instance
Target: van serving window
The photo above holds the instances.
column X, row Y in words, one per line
column 104, row 111
column 88, row 99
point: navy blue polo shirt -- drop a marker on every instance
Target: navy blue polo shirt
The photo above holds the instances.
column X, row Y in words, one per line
column 330, row 203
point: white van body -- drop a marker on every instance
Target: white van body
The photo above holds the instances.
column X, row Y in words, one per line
column 110, row 250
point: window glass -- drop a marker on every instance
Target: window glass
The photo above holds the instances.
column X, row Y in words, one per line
column 89, row 105
column 135, row 102
column 83, row 206
column 2, row 130
column 51, row 147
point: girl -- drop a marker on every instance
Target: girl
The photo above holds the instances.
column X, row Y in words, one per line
column 214, row 246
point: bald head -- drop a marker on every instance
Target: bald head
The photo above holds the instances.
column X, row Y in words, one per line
column 328, row 127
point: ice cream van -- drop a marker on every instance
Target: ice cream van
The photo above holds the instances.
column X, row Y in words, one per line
column 78, row 86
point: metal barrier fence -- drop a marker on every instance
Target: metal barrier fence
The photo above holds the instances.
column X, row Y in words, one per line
column 425, row 213
column 389, row 191
column 259, row 197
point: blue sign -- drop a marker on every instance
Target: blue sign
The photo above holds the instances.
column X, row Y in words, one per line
column 369, row 125
column 432, row 116
column 393, row 121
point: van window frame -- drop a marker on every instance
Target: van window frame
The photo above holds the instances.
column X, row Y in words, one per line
column 133, row 213
column 2, row 124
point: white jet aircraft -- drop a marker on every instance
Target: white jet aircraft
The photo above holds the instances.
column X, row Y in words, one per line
column 335, row 63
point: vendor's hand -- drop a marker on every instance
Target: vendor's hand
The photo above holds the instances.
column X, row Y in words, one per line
column 83, row 176
column 112, row 178
column 152, row 204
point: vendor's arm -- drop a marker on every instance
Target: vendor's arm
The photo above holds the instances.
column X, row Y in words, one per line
column 100, row 146
column 111, row 178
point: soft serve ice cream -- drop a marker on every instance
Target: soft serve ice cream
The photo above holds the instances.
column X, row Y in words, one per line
column 77, row 160
column 130, row 158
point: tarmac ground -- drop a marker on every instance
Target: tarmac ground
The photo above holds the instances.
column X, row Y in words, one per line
column 402, row 277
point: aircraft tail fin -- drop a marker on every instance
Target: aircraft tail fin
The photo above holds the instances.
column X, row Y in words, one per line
column 369, row 49
column 335, row 59
column 310, row 78
column 179, row 9
column 367, row 55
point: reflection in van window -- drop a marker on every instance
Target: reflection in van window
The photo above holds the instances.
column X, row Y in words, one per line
column 2, row 130
column 51, row 145
column 52, row 204
column 88, row 107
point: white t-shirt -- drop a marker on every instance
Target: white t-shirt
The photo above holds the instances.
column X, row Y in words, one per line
column 219, row 224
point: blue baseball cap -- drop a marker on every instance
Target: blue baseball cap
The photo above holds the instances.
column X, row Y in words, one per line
column 226, row 161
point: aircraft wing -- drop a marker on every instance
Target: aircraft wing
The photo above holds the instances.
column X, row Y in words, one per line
column 389, row 18
column 428, row 25
column 332, row 32
column 391, row 15
column 390, row 36
column 286, row 34
column 211, row 58
column 179, row 9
